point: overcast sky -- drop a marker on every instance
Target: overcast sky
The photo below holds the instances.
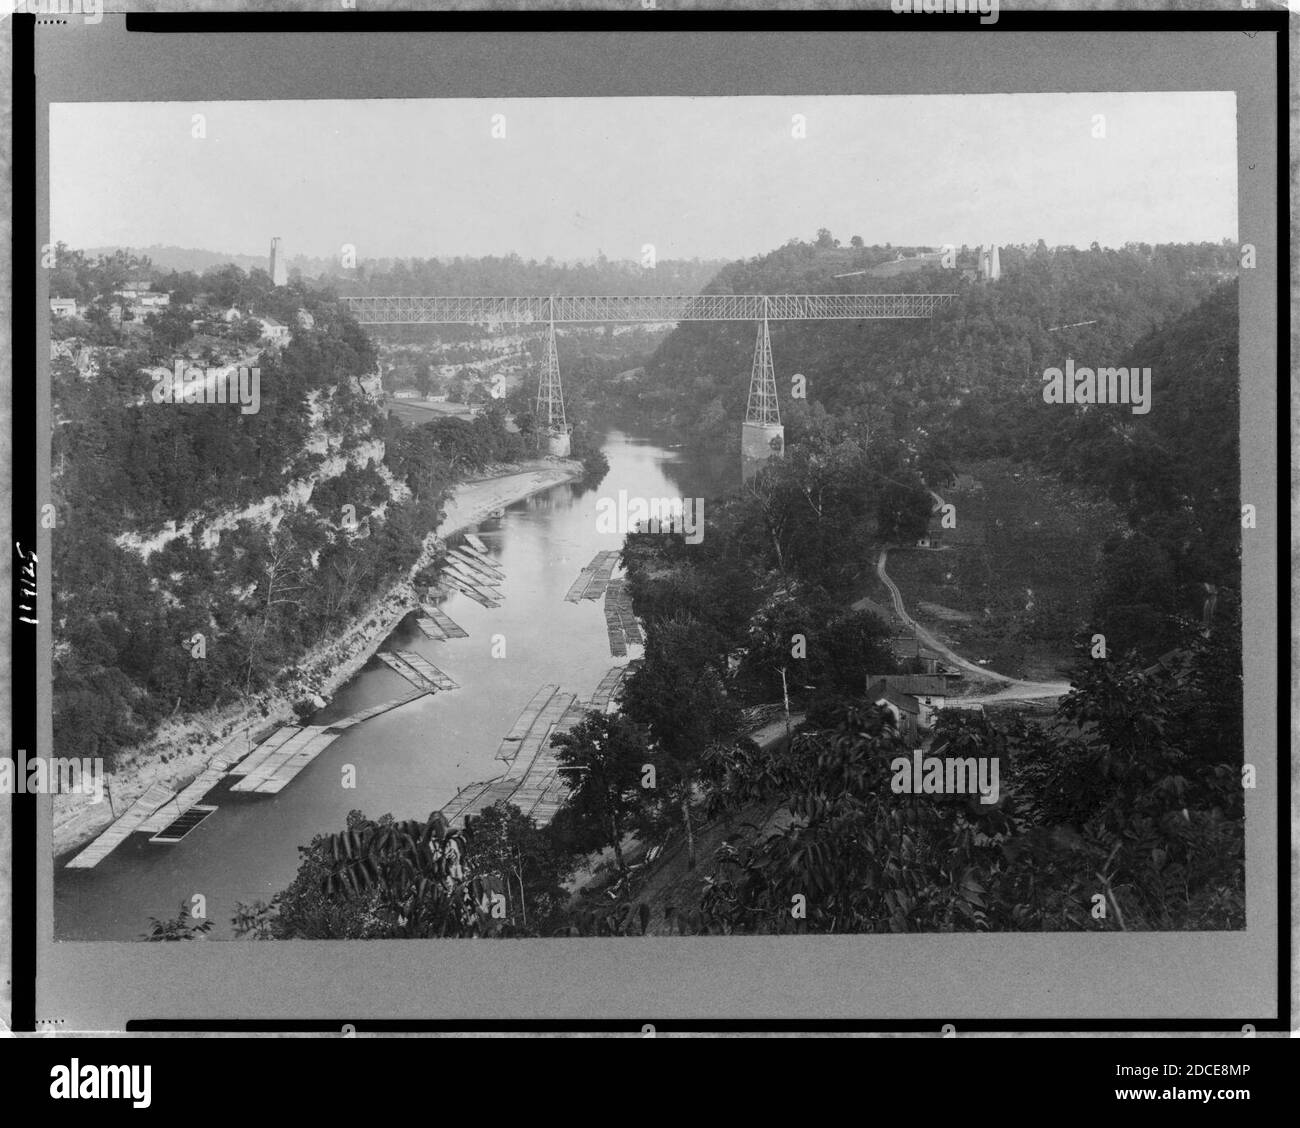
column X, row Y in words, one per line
column 706, row 177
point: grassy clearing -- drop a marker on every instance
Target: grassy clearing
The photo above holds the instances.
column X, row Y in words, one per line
column 1021, row 562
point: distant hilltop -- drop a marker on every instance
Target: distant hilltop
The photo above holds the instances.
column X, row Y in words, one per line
column 191, row 258
column 459, row 274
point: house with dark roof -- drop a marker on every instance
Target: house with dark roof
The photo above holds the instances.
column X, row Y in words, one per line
column 916, row 658
column 929, row 690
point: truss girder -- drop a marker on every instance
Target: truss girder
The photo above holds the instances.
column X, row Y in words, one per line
column 550, row 395
column 762, row 406
column 652, row 307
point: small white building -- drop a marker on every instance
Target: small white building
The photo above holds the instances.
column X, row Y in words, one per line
column 63, row 307
column 274, row 331
column 905, row 710
column 406, row 393
column 154, row 299
column 305, row 320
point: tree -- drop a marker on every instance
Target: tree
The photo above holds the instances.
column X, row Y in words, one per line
column 171, row 326
column 779, row 639
column 860, row 859
column 503, row 841
column 810, row 506
column 1135, row 600
column 679, row 693
column 847, row 648
column 380, row 879
column 182, row 286
column 856, row 241
column 602, row 758
column 224, row 284
column 279, row 573
column 903, row 512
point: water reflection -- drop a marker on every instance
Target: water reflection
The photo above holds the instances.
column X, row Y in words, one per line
column 411, row 760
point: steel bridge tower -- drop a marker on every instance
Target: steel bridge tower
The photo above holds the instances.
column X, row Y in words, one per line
column 552, row 428
column 761, row 436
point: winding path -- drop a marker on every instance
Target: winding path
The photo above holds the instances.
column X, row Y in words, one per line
column 1012, row 689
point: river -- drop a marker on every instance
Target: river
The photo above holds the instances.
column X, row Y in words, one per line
column 412, row 760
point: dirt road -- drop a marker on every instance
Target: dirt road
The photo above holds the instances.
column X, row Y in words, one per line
column 1013, row 689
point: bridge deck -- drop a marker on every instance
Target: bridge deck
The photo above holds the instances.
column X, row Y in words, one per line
column 436, row 310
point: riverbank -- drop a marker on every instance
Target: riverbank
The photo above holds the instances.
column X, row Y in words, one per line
column 181, row 749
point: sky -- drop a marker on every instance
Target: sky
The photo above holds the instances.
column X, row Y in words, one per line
column 694, row 177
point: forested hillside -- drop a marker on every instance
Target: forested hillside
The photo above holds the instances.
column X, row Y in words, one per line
column 510, row 274
column 489, row 274
column 200, row 550
column 974, row 369
column 1118, row 809
column 967, row 385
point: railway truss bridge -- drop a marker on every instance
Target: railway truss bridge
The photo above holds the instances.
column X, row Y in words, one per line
column 762, row 435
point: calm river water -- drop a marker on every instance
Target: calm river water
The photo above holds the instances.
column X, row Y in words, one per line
column 412, row 760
